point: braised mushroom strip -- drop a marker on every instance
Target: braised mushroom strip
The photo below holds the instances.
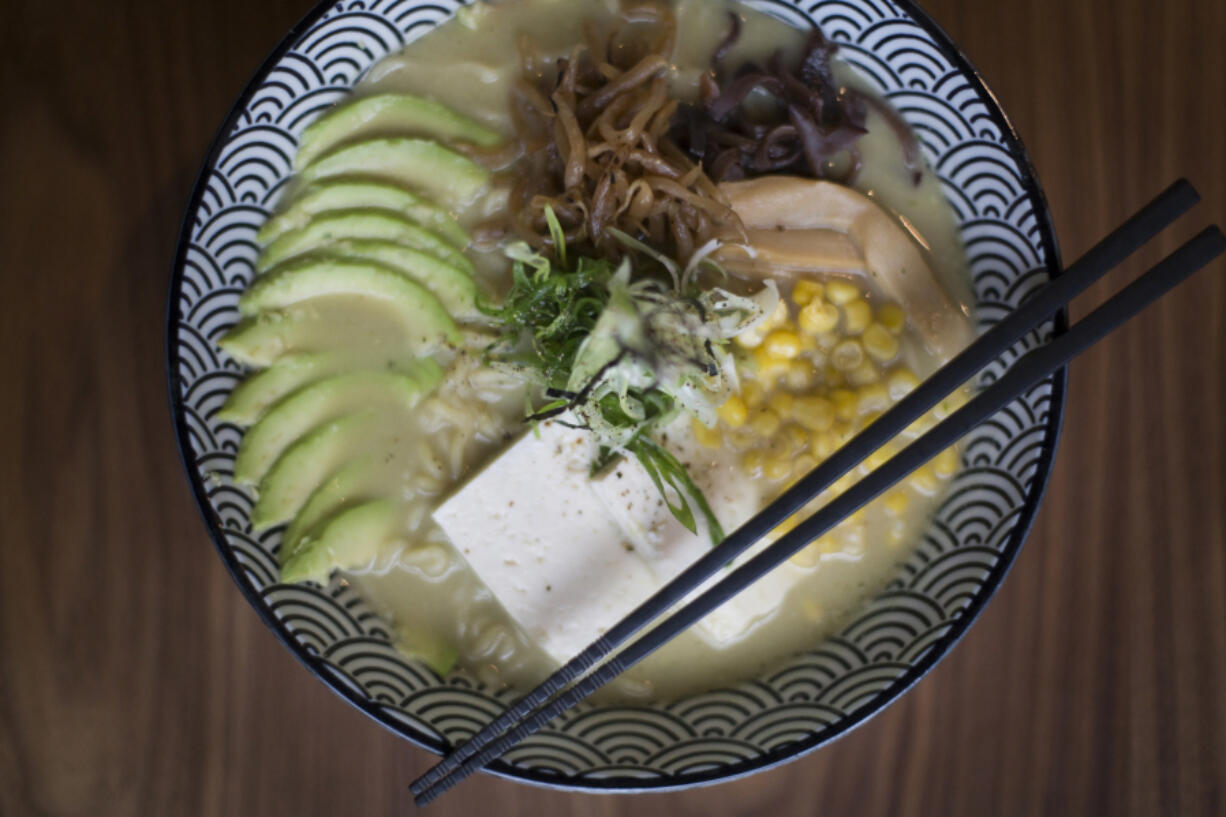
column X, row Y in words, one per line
column 783, row 118
column 596, row 146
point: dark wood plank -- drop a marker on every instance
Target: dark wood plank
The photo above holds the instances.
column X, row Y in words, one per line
column 135, row 680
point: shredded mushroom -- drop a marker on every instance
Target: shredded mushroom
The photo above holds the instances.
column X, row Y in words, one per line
column 595, row 148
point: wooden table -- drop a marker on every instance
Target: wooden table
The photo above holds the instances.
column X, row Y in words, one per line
column 135, row 680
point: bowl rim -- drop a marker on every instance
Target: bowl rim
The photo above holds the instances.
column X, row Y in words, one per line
column 768, row 760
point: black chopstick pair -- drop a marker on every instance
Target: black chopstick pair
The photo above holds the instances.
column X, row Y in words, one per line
column 536, row 709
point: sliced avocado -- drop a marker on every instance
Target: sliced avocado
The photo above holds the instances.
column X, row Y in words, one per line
column 253, row 396
column 420, row 165
column 426, row 321
column 341, row 489
column 259, row 341
column 329, row 228
column 354, row 194
column 325, row 400
column 453, row 287
column 386, row 115
column 435, row 654
column 304, row 466
column 352, row 539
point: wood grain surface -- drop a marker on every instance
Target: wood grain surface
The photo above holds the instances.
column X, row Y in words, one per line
column 135, row 680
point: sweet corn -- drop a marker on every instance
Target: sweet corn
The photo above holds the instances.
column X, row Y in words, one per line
column 846, row 404
column 841, row 292
column 800, row 375
column 752, row 394
column 803, row 465
column 900, row 383
column 945, row 464
column 787, row 525
column 892, row 317
column 868, row 418
column 783, row 344
column 781, row 403
column 814, row 413
column 733, row 412
column 950, row 404
column 833, row 377
column 896, row 503
column 752, row 463
column 924, row 481
column 857, row 315
column 863, row 374
column 897, row 533
column 765, row 423
column 776, row 469
column 707, row 437
column 826, row 544
column 874, row 397
column 823, row 444
column 818, row 317
column 805, row 291
column 769, row 366
column 879, row 343
column 847, row 355
column 795, row 437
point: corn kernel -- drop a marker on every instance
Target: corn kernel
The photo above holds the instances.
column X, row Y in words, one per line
column 841, row 292
column 752, row 394
column 863, row 374
column 795, row 438
column 814, row 413
column 857, row 315
column 950, row 404
column 823, row 444
column 733, row 412
column 896, row 503
column 765, row 423
column 803, row 465
column 752, row 462
column 833, row 377
column 769, row 366
column 805, row 291
column 868, row 418
column 787, row 525
column 900, row 383
column 782, row 343
column 847, row 355
column 892, row 317
column 800, row 375
column 846, row 404
column 707, row 437
column 778, row 317
column 879, row 343
column 874, row 397
column 924, row 481
column 826, row 544
column 776, row 469
column 818, row 317
column 945, row 464
column 781, row 403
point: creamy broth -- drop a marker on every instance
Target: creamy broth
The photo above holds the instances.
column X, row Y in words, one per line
column 422, row 586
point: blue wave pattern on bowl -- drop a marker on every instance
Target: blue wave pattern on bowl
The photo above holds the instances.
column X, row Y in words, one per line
column 818, row 694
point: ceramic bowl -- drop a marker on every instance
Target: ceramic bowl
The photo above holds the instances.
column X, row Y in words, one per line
column 897, row 637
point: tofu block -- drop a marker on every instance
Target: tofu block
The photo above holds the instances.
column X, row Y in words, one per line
column 568, row 556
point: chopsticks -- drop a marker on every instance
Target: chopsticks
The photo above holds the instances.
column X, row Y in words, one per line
column 536, row 709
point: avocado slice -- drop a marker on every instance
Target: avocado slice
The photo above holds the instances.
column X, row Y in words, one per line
column 351, row 539
column 453, row 287
column 259, row 341
column 341, row 489
column 422, row 166
column 387, row 114
column 325, row 400
column 329, row 228
column 304, row 466
column 427, row 322
column 355, row 194
column 251, row 398
column 435, row 654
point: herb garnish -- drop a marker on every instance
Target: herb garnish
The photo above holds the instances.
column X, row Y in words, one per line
column 623, row 357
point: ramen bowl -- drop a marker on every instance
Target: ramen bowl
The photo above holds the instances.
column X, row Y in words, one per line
column 816, row 695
